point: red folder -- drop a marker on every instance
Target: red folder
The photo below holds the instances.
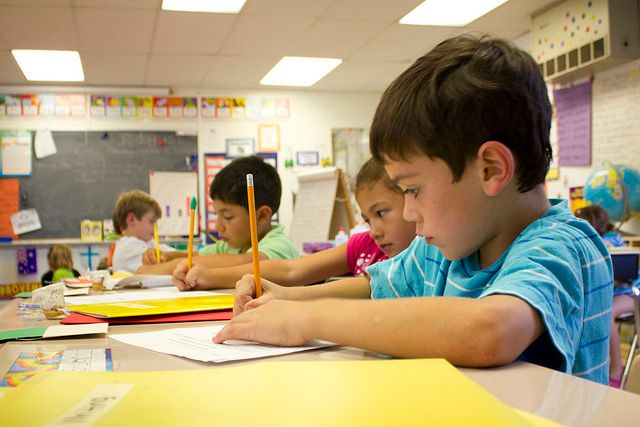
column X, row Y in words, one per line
column 76, row 318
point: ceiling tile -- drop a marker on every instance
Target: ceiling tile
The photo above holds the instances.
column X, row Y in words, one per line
column 129, row 4
column 38, row 28
column 383, row 11
column 114, row 68
column 115, row 30
column 382, row 82
column 402, row 42
column 264, row 36
column 352, row 75
column 238, row 72
column 335, row 38
column 277, row 8
column 179, row 32
column 177, row 70
column 9, row 70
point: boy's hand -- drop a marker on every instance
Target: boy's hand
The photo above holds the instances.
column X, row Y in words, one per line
column 245, row 293
column 149, row 257
column 275, row 322
column 185, row 279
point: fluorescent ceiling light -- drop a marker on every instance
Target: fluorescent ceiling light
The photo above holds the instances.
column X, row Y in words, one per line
column 450, row 13
column 299, row 71
column 209, row 6
column 50, row 65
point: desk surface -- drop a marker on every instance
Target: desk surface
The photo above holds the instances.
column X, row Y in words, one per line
column 562, row 398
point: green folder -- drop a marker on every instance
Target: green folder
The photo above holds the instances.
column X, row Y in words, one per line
column 17, row 334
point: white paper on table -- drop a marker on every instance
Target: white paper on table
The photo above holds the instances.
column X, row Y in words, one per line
column 56, row 331
column 25, row 220
column 44, row 145
column 138, row 296
column 74, row 292
column 197, row 344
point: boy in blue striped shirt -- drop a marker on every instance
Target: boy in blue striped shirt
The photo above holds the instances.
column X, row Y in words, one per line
column 464, row 132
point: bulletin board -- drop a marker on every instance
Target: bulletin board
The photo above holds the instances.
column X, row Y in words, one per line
column 616, row 115
column 90, row 169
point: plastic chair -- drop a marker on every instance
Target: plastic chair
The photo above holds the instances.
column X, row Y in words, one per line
column 634, row 341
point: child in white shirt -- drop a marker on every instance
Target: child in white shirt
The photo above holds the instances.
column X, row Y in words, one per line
column 134, row 217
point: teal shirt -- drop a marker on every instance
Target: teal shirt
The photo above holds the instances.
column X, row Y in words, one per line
column 558, row 265
column 274, row 245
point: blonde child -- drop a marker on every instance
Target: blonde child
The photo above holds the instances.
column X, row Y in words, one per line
column 229, row 194
column 500, row 272
column 381, row 204
column 60, row 265
column 622, row 297
column 134, row 217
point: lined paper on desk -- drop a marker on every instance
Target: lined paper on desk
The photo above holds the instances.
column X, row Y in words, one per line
column 197, row 344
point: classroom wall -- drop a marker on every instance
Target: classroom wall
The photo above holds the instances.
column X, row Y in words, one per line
column 312, row 117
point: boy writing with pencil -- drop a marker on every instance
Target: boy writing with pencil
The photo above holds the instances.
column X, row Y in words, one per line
column 498, row 271
column 229, row 194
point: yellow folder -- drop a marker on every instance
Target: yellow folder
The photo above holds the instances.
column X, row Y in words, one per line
column 424, row 392
column 157, row 306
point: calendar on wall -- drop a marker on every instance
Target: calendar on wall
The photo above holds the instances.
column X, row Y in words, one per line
column 173, row 192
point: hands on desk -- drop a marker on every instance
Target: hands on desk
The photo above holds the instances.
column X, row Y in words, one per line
column 269, row 319
column 149, row 257
column 187, row 279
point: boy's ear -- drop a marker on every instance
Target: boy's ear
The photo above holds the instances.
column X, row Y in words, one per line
column 496, row 166
column 131, row 217
column 264, row 213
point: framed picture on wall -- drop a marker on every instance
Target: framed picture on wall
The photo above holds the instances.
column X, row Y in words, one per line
column 307, row 158
column 268, row 138
column 240, row 147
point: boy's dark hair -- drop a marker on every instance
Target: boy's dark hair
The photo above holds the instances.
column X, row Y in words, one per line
column 136, row 201
column 370, row 173
column 230, row 184
column 597, row 217
column 467, row 91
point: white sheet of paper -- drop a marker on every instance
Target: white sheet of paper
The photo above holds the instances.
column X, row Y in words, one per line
column 137, row 296
column 197, row 344
column 25, row 220
column 75, row 292
column 56, row 331
column 43, row 144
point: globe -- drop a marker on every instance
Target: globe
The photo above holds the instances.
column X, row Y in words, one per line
column 616, row 188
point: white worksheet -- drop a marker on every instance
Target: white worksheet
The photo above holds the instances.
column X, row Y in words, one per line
column 138, row 296
column 197, row 344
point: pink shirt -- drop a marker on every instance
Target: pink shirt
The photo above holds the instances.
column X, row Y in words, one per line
column 362, row 252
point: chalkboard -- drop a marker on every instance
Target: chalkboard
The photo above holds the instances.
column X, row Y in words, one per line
column 89, row 171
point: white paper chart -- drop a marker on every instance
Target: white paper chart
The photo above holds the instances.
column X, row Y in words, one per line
column 16, row 153
column 173, row 192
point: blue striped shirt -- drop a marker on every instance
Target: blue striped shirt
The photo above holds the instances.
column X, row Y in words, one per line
column 558, row 265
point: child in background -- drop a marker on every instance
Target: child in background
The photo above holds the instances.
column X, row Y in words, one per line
column 229, row 194
column 600, row 221
column 622, row 296
column 134, row 217
column 60, row 265
column 500, row 272
column 381, row 204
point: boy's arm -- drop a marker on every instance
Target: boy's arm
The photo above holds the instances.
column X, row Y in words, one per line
column 484, row 332
column 285, row 272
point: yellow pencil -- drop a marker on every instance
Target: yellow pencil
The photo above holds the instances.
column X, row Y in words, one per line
column 253, row 227
column 194, row 204
column 155, row 236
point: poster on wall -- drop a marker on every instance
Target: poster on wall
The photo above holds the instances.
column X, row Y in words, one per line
column 240, row 147
column 268, row 138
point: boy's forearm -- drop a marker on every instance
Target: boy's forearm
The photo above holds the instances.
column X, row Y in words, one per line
column 423, row 327
column 171, row 255
column 356, row 287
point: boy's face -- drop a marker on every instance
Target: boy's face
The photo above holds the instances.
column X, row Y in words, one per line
column 232, row 224
column 141, row 228
column 382, row 210
column 451, row 216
